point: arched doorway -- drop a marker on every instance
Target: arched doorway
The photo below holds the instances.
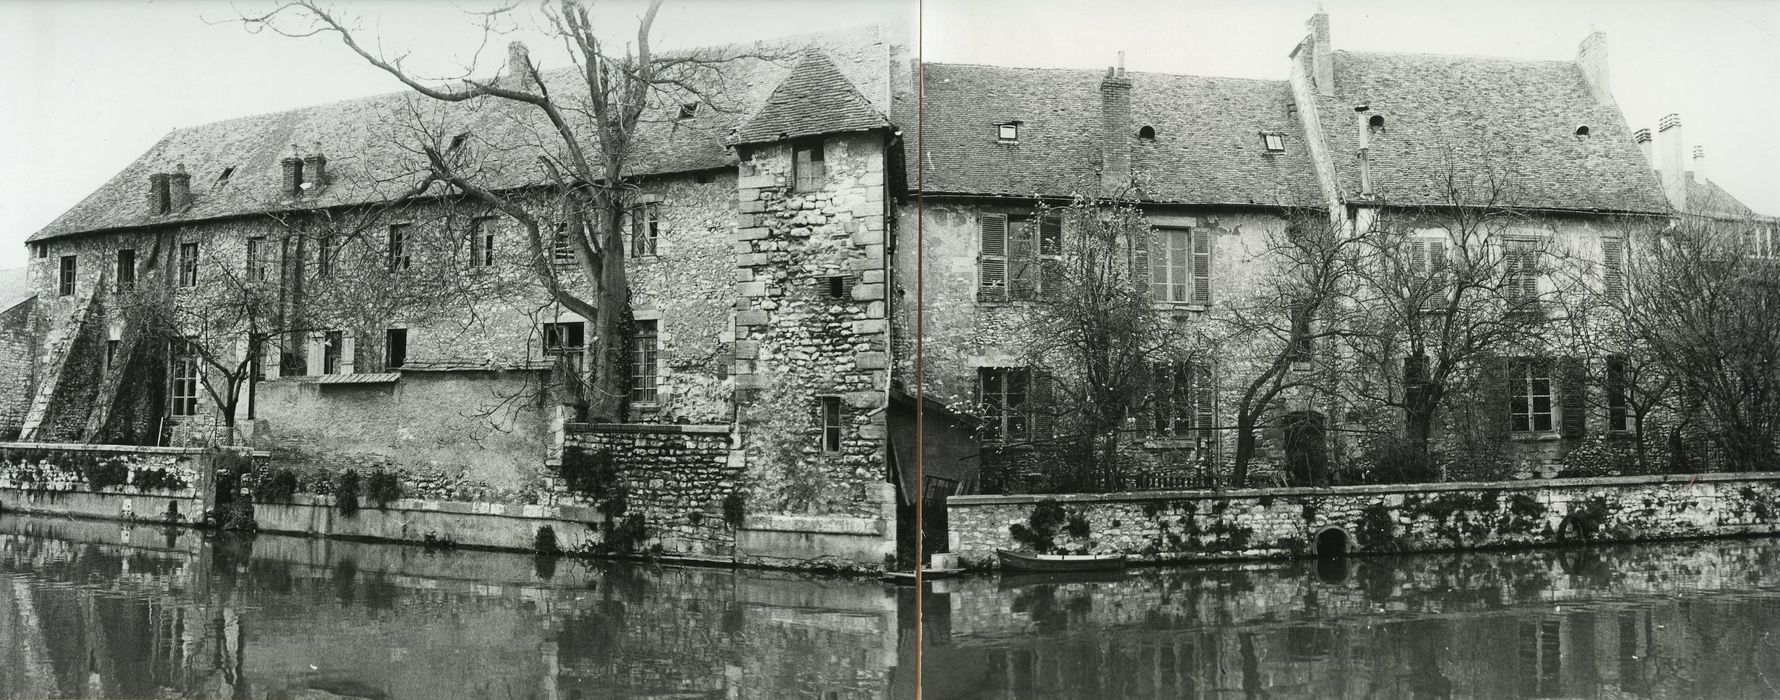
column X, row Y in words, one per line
column 1331, row 543
column 1307, row 452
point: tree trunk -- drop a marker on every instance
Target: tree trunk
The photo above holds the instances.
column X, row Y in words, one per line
column 1419, row 433
column 1245, row 449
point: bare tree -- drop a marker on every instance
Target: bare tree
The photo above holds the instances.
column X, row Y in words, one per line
column 586, row 147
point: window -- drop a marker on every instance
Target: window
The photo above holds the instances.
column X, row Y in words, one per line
column 42, row 250
column 1180, row 266
column 126, row 269
column 838, row 286
column 1529, row 396
column 1274, row 141
column 184, row 379
column 1182, row 401
column 564, row 337
column 395, row 348
column 333, row 345
column 808, row 169
column 1006, row 407
column 256, row 259
column 1428, row 262
column 1147, row 133
column 1016, row 255
column 688, row 110
column 66, row 277
column 831, row 423
column 1008, row 132
column 188, row 264
column 561, row 250
column 1375, row 123
column 1618, row 394
column 1582, row 132
column 643, row 358
column 1613, row 266
column 1521, row 282
column 482, row 242
column 398, row 247
column 222, row 180
column 645, row 229
column 1303, row 347
column 324, row 256
column 111, row 354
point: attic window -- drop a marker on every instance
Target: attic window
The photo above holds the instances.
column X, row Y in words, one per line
column 223, row 179
column 1008, row 132
column 1582, row 131
column 1375, row 122
column 1274, row 141
column 457, row 141
column 1147, row 133
column 688, row 110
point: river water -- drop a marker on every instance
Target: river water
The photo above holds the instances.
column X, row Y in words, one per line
column 92, row 609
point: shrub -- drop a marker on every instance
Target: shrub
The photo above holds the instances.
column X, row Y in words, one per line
column 99, row 475
column 735, row 508
column 346, row 492
column 383, row 487
column 591, row 474
column 276, row 487
column 545, row 541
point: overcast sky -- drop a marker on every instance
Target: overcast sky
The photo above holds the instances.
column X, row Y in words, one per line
column 91, row 85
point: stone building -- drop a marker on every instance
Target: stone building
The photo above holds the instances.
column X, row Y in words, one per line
column 368, row 322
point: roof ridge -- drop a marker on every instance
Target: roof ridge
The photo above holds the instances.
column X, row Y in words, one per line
column 786, row 112
column 1456, row 56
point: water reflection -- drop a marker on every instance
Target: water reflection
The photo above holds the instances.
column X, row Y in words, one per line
column 1685, row 620
column 93, row 609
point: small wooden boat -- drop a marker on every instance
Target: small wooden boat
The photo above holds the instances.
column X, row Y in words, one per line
column 1027, row 561
column 908, row 577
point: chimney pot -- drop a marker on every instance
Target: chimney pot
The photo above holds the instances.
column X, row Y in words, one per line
column 159, row 195
column 292, row 184
column 1591, row 59
column 1642, row 138
column 1699, row 163
column 1674, row 166
column 519, row 62
column 1115, row 133
column 315, row 173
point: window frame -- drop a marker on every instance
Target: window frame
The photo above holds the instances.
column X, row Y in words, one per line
column 183, row 378
column 394, row 339
column 645, row 216
column 1617, row 386
column 562, row 251
column 1525, row 376
column 1273, row 142
column 400, row 257
column 67, row 275
column 333, row 351
column 324, row 255
column 126, row 273
column 482, row 240
column 831, row 418
column 188, row 265
column 809, row 174
column 1029, row 249
column 1521, row 277
column 1182, row 405
column 257, row 262
column 645, row 362
column 1007, row 132
column 1004, row 419
column 1194, row 265
column 556, row 335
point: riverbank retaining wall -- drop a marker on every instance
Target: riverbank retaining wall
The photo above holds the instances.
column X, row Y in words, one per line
column 164, row 484
column 1290, row 522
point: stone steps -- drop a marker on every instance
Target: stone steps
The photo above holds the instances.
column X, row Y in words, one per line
column 58, row 341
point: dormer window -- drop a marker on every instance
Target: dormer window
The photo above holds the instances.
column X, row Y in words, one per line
column 223, row 179
column 1008, row 132
column 1147, row 133
column 1274, row 141
column 1582, row 132
column 688, row 111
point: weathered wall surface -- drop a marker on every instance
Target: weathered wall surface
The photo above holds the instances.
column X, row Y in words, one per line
column 1272, row 523
column 160, row 484
column 463, row 435
column 17, row 350
column 676, row 477
column 796, row 341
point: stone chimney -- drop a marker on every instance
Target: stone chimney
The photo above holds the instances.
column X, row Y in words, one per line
column 1591, row 58
column 1673, row 167
column 519, row 61
column 179, row 189
column 1115, row 130
column 1699, row 163
column 1322, row 55
column 315, row 173
column 159, row 197
column 1642, row 138
column 292, row 183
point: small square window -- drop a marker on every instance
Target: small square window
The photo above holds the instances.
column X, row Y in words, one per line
column 1274, row 141
column 1008, row 132
column 839, row 286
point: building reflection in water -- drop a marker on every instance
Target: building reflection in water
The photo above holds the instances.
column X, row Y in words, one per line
column 1685, row 620
column 94, row 610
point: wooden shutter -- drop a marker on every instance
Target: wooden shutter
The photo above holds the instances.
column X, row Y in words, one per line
column 1041, row 406
column 1572, row 382
column 1201, row 266
column 992, row 257
column 1418, row 256
column 1613, row 266
column 1203, row 417
column 1140, row 263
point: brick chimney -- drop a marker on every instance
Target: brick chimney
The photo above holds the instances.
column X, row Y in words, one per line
column 1322, row 55
column 1673, row 166
column 519, row 61
column 1115, row 129
column 1591, row 58
column 179, row 189
column 293, row 173
column 158, row 195
column 1642, row 138
column 315, row 173
column 1699, row 163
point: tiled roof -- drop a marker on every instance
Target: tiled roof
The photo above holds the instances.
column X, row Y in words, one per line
column 1706, row 198
column 1208, row 146
column 1479, row 117
column 815, row 99
column 364, row 139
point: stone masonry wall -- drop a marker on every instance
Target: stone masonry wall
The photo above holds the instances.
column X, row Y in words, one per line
column 1276, row 523
column 677, row 477
column 16, row 354
column 797, row 341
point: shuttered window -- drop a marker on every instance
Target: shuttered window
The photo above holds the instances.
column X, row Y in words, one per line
column 1521, row 281
column 1182, row 402
column 1573, row 409
column 1530, row 396
column 1018, row 258
column 1619, row 391
column 1428, row 264
column 1613, row 266
column 808, row 166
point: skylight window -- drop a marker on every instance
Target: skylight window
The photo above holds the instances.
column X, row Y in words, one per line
column 688, row 110
column 1274, row 141
column 1008, row 132
column 223, row 179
